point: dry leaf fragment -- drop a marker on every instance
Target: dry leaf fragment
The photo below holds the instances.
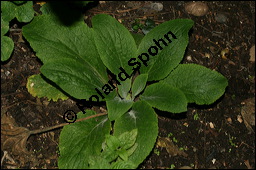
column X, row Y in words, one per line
column 248, row 113
column 252, row 54
column 13, row 137
column 172, row 149
column 247, row 164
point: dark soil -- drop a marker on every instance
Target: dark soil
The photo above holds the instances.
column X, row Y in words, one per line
column 212, row 136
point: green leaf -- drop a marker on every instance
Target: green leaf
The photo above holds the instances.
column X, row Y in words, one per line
column 39, row 87
column 115, row 150
column 7, row 46
column 6, row 7
column 164, row 57
column 98, row 162
column 123, row 165
column 200, row 84
column 139, row 84
column 114, row 42
column 117, row 107
column 112, row 142
column 142, row 117
column 165, row 97
column 4, row 26
column 19, row 2
column 23, row 13
column 128, row 139
column 124, row 88
column 69, row 55
column 137, row 37
column 80, row 140
column 47, row 8
column 121, row 145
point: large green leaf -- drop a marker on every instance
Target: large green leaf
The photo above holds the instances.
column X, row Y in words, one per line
column 117, row 107
column 69, row 55
column 200, row 84
column 80, row 140
column 164, row 57
column 23, row 13
column 114, row 42
column 142, row 117
column 165, row 97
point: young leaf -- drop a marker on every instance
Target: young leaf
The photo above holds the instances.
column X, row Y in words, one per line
column 115, row 43
column 80, row 140
column 98, row 162
column 124, row 88
column 200, row 84
column 122, row 146
column 23, row 13
column 117, row 107
column 69, row 55
column 165, row 56
column 123, row 165
column 139, row 84
column 128, row 139
column 165, row 97
column 142, row 117
column 112, row 142
column 38, row 87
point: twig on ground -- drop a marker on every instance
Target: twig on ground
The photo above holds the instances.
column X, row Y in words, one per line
column 63, row 124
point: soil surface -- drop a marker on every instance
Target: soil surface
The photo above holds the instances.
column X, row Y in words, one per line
column 221, row 135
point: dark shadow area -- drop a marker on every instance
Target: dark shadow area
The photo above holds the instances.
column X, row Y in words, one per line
column 69, row 12
column 205, row 107
column 183, row 115
column 175, row 116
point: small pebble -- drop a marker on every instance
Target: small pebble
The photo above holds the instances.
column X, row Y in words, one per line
column 189, row 58
column 157, row 6
column 196, row 8
column 211, row 125
column 229, row 120
column 7, row 73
